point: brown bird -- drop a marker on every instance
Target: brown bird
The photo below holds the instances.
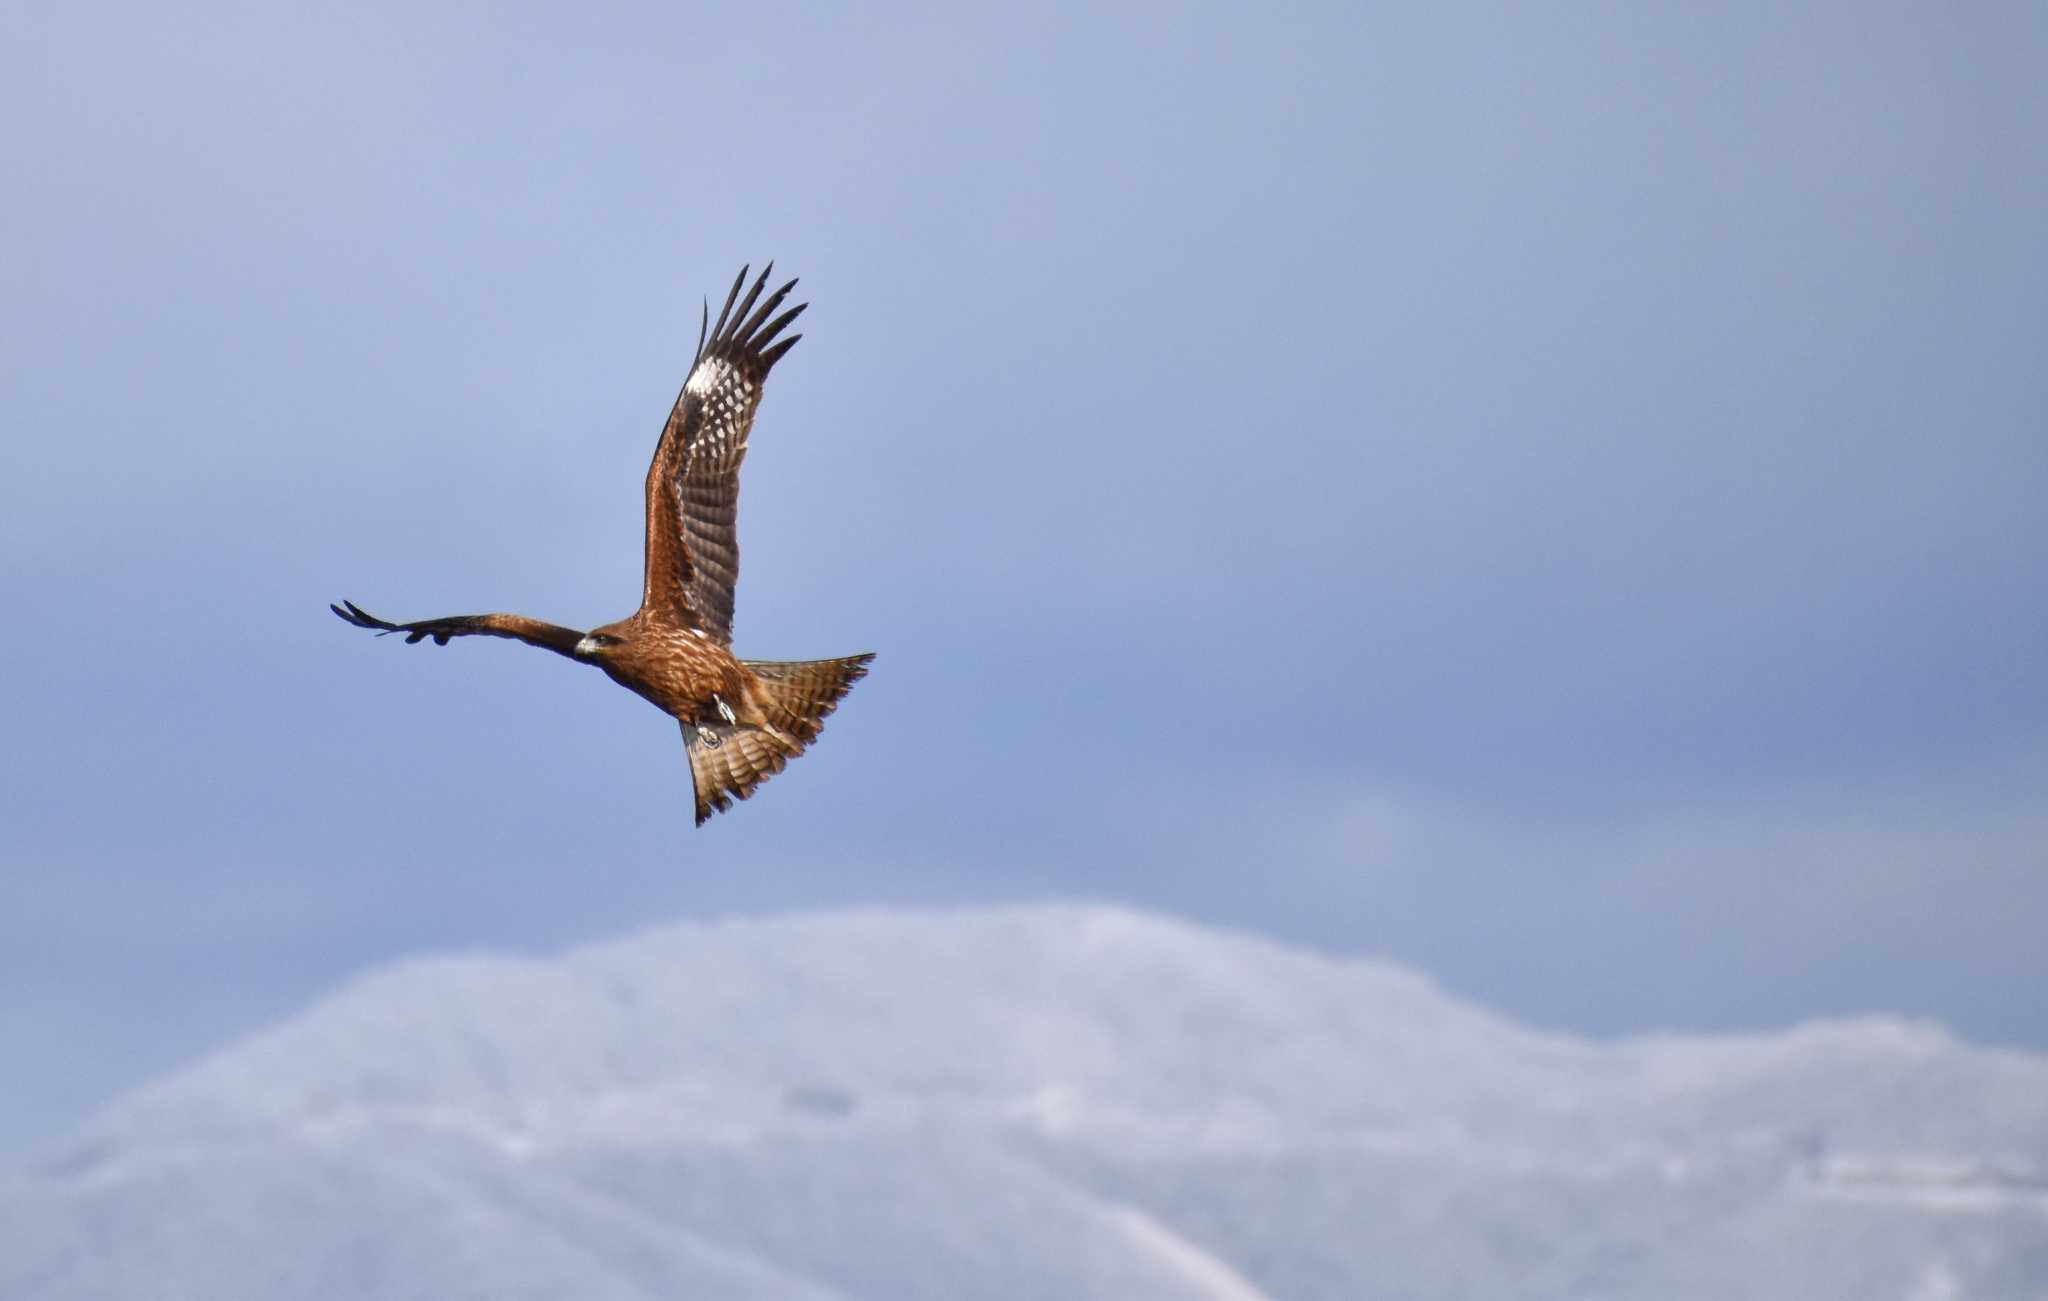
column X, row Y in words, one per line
column 742, row 720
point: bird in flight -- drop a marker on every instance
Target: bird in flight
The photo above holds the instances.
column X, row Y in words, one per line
column 742, row 720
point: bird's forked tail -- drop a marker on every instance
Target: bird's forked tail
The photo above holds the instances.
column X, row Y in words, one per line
column 800, row 693
column 727, row 762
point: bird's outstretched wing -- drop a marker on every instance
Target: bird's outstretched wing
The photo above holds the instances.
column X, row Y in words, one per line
column 693, row 484
column 562, row 641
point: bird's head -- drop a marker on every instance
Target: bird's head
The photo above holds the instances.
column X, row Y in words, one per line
column 598, row 643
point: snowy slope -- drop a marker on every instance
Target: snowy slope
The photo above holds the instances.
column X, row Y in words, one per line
column 1028, row 1102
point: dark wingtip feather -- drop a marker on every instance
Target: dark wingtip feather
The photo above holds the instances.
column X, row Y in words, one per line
column 718, row 331
column 745, row 335
column 350, row 612
column 775, row 327
column 744, row 325
column 734, row 330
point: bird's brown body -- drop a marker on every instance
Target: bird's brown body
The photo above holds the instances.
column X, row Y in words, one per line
column 678, row 670
column 742, row 720
column 684, row 673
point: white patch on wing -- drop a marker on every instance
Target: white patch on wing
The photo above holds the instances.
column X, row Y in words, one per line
column 709, row 374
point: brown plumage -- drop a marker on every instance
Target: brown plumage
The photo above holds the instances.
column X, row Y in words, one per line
column 742, row 720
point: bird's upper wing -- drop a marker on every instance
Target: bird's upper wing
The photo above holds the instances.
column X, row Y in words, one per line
column 693, row 485
column 533, row 632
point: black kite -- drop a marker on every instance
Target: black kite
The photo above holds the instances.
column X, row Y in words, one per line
column 742, row 720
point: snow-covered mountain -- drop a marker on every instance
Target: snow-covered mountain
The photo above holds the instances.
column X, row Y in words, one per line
column 1028, row 1102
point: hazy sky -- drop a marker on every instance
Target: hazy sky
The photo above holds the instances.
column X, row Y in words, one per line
column 1553, row 495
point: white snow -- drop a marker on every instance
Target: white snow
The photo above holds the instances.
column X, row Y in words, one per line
column 1215, row 1279
column 1055, row 1101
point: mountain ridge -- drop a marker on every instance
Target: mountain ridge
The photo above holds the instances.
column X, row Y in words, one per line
column 1075, row 1099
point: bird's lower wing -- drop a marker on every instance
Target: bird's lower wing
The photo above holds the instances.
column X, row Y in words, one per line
column 518, row 627
column 727, row 763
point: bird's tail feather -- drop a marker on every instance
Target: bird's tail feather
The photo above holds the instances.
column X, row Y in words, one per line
column 800, row 693
column 727, row 762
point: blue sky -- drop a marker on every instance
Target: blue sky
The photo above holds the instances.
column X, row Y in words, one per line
column 1550, row 496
